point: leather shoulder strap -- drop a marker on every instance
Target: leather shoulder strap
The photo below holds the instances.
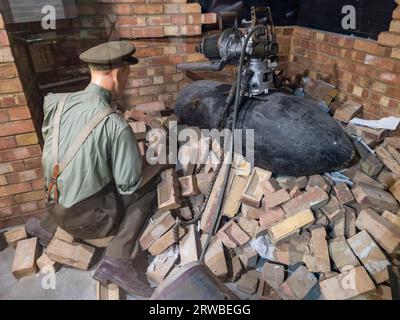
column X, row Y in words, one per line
column 56, row 127
column 82, row 136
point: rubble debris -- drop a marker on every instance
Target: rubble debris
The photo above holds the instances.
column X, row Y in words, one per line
column 63, row 235
column 386, row 234
column 274, row 199
column 162, row 265
column 371, row 256
column 375, row 198
column 348, row 111
column 215, row 258
column 165, row 241
column 291, row 224
column 273, row 274
column 253, row 192
column 44, row 262
column 341, row 254
column 188, row 186
column 13, row 236
column 297, row 285
column 233, row 198
column 75, row 255
column 313, row 199
column 343, row 194
column 347, row 284
column 107, row 292
column 160, row 223
column 139, row 130
column 248, row 283
column 168, row 191
column 24, row 263
column 392, row 218
column 189, row 246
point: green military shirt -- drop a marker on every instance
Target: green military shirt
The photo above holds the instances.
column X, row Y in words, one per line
column 109, row 153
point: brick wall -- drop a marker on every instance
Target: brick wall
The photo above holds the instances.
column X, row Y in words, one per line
column 165, row 33
column 365, row 71
column 21, row 183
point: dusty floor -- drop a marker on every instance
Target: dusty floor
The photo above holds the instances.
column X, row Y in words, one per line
column 70, row 284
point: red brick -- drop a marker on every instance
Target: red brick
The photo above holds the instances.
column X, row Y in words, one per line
column 389, row 39
column 6, row 55
column 38, row 184
column 182, row 8
column 20, row 153
column 16, row 127
column 7, row 202
column 8, row 71
column 209, row 18
column 7, row 143
column 130, row 21
column 4, row 38
column 19, row 113
column 3, row 116
column 125, row 33
column 178, row 19
column 33, row 163
column 147, row 9
column 24, row 176
column 10, row 85
column 159, row 20
column 369, row 46
column 15, row 189
column 381, row 62
column 29, row 196
column 26, row 139
column 148, row 32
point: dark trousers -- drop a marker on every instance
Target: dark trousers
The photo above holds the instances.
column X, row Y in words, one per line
column 107, row 213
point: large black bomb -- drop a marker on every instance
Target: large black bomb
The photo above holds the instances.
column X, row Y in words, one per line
column 292, row 136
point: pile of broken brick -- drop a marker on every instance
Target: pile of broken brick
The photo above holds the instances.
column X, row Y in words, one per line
column 330, row 236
